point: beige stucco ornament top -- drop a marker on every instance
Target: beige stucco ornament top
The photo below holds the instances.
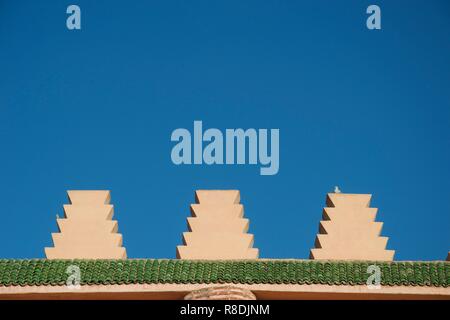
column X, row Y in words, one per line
column 348, row 230
column 217, row 229
column 87, row 230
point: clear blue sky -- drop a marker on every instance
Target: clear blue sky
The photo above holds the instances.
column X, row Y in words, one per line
column 94, row 109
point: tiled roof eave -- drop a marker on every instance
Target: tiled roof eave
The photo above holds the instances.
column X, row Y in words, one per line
column 43, row 272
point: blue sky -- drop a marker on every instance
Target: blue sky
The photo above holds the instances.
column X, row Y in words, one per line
column 94, row 109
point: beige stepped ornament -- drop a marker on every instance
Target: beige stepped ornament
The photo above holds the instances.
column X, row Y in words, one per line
column 217, row 228
column 348, row 230
column 87, row 231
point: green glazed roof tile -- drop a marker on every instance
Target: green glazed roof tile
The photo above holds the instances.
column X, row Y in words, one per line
column 42, row 272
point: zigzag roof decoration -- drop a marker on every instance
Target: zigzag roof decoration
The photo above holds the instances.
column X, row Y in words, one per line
column 87, row 231
column 218, row 251
column 348, row 230
column 217, row 229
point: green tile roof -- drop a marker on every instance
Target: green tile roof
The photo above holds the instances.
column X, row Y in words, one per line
column 146, row 271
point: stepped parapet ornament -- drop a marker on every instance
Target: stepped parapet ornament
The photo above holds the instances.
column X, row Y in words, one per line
column 217, row 228
column 348, row 230
column 87, row 230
